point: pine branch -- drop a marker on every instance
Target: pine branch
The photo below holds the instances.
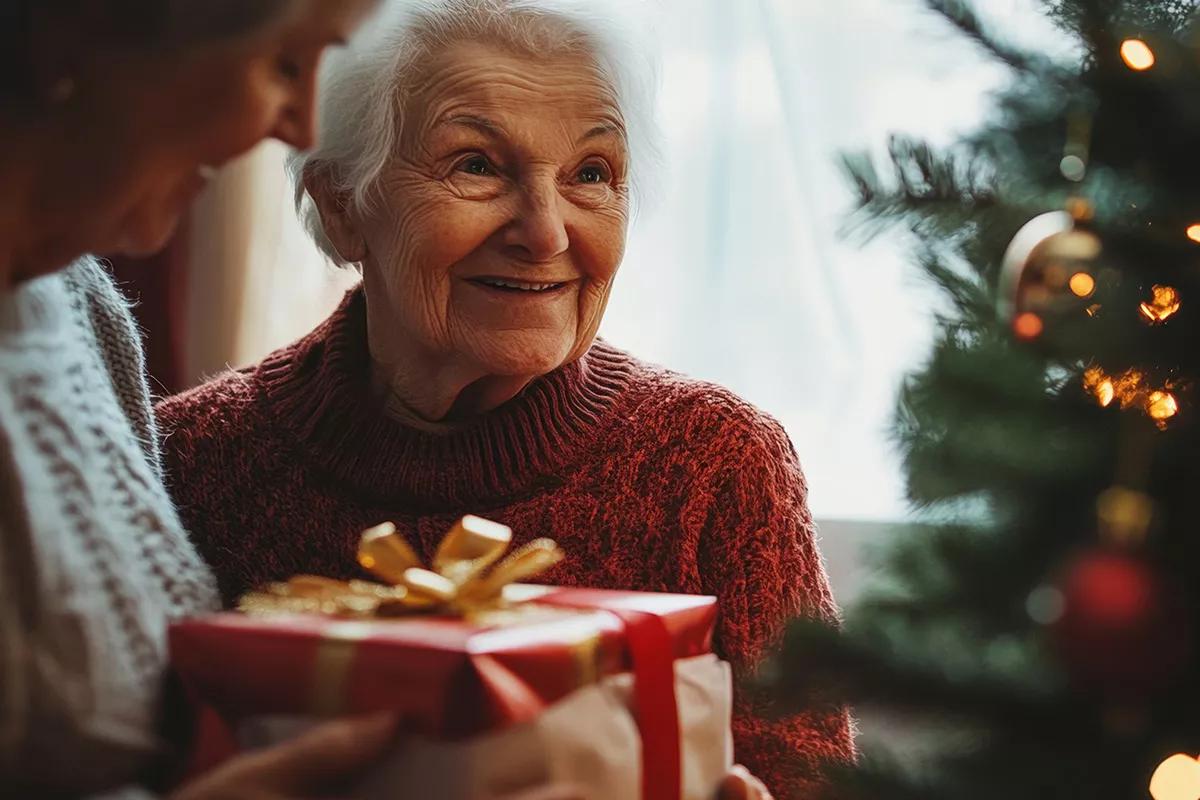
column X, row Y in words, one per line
column 924, row 189
column 820, row 665
column 963, row 17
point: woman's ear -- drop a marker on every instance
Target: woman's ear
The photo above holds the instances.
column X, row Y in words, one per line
column 339, row 223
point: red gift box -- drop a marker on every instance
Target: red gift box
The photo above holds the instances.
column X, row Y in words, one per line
column 456, row 677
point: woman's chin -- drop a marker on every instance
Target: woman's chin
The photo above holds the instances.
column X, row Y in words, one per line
column 513, row 354
column 146, row 237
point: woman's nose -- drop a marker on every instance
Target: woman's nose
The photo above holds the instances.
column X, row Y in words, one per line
column 296, row 123
column 539, row 232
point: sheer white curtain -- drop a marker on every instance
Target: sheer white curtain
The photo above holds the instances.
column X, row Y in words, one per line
column 738, row 275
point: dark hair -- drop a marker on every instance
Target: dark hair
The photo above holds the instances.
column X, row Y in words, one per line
column 132, row 23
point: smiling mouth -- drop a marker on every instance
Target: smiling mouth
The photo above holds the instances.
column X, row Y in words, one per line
column 506, row 285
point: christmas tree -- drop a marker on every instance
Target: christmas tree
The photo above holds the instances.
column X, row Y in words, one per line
column 1037, row 628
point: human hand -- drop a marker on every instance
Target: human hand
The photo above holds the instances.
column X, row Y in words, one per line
column 313, row 765
column 739, row 784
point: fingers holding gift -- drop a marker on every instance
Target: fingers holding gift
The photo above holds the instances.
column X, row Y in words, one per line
column 739, row 784
column 309, row 766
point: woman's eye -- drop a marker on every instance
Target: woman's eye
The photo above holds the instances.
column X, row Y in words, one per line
column 289, row 68
column 593, row 173
column 475, row 165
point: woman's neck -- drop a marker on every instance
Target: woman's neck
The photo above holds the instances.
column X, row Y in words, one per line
column 434, row 401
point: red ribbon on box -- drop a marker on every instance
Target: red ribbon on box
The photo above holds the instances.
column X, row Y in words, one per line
column 655, row 705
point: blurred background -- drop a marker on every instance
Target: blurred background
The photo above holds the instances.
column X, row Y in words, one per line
column 739, row 274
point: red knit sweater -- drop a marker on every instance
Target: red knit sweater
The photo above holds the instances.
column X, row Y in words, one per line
column 648, row 480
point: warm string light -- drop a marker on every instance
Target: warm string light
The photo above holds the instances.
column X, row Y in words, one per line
column 1177, row 778
column 1137, row 55
column 1163, row 305
column 1104, row 387
column 1028, row 326
column 1161, row 406
column 1193, row 232
column 1073, row 168
column 1100, row 386
column 1124, row 515
column 1130, row 390
column 1082, row 284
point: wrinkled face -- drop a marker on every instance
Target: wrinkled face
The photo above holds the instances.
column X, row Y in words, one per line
column 505, row 213
column 170, row 117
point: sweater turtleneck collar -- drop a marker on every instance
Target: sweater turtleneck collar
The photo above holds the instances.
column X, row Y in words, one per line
column 319, row 390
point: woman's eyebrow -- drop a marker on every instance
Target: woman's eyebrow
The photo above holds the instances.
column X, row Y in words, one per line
column 603, row 129
column 482, row 124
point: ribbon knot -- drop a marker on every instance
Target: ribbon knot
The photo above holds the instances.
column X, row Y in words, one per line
column 467, row 575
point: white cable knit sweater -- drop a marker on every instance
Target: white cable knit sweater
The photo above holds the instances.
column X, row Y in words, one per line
column 93, row 560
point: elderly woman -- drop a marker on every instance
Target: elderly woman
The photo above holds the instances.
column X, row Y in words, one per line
column 477, row 163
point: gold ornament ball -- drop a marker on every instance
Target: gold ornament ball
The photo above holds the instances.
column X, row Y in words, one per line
column 1050, row 268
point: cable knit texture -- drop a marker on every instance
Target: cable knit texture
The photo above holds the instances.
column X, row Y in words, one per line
column 94, row 562
column 648, row 480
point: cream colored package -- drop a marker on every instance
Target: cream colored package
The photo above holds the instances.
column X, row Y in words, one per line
column 589, row 738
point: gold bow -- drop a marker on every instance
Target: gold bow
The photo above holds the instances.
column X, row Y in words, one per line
column 465, row 577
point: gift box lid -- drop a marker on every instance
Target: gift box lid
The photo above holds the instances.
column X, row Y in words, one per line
column 447, row 677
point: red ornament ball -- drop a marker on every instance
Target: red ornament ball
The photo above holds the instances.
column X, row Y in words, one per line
column 1121, row 630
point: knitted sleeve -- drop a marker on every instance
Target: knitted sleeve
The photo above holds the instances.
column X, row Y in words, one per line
column 18, row 595
column 17, row 652
column 119, row 342
column 761, row 560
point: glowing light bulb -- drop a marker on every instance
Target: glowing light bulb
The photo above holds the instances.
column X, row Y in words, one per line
column 1028, row 326
column 1177, row 778
column 1165, row 303
column 1100, row 385
column 1073, row 168
column 1137, row 55
column 1193, row 232
column 1161, row 406
column 1082, row 284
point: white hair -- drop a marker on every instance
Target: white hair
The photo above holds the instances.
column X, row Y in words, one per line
column 366, row 86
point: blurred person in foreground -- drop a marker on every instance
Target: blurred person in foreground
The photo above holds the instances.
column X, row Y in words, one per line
column 112, row 114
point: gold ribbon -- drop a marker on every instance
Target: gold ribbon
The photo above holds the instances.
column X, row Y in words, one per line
column 468, row 575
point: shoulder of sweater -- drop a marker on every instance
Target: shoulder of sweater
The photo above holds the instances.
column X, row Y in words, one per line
column 215, row 413
column 702, row 409
column 203, row 428
column 229, row 398
column 223, row 398
column 105, row 314
column 88, row 273
column 93, row 285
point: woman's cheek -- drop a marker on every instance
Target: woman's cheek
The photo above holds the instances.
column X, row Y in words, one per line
column 422, row 256
column 601, row 251
column 246, row 117
column 592, row 305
